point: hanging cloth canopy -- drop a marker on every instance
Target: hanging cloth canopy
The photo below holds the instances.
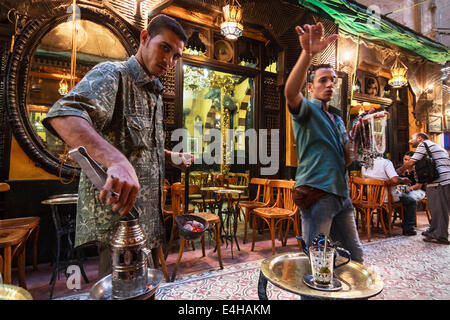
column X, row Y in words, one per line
column 357, row 20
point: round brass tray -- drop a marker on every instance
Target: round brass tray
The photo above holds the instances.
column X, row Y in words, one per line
column 102, row 290
column 65, row 200
column 287, row 271
column 65, row 195
column 10, row 292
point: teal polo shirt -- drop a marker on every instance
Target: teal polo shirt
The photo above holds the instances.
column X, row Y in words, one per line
column 320, row 148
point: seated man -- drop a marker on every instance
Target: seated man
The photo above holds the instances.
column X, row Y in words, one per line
column 415, row 190
column 383, row 169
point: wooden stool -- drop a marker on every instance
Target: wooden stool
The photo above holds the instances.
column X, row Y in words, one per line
column 32, row 226
column 12, row 242
column 214, row 223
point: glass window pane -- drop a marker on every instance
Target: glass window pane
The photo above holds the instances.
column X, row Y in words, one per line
column 215, row 103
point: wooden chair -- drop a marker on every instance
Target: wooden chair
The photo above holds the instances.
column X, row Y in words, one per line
column 262, row 199
column 176, row 207
column 370, row 200
column 283, row 210
column 390, row 206
column 424, row 201
column 196, row 178
column 213, row 220
column 241, row 183
column 214, row 224
column 12, row 241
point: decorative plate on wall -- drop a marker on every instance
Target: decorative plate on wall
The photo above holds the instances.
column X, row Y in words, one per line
column 223, row 51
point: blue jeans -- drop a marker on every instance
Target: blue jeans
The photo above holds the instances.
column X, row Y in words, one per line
column 334, row 216
column 410, row 206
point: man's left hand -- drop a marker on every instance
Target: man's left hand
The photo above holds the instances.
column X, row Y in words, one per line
column 181, row 160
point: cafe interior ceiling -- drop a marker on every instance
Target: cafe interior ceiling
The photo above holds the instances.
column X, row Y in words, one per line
column 32, row 8
column 356, row 19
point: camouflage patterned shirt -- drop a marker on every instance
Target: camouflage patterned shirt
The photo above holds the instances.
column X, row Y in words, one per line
column 125, row 106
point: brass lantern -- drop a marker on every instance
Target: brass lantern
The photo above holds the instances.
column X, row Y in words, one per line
column 398, row 72
column 231, row 27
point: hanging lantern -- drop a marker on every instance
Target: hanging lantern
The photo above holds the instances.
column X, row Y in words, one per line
column 63, row 87
column 398, row 72
column 231, row 27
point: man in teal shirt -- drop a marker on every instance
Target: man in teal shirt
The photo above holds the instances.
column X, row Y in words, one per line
column 322, row 148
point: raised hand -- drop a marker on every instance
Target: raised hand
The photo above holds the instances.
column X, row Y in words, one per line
column 311, row 38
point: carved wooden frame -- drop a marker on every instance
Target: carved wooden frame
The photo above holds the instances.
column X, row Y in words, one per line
column 17, row 75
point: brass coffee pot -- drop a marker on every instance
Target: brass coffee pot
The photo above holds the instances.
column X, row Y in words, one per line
column 130, row 260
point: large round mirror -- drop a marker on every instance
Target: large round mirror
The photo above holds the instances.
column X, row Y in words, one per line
column 39, row 73
column 50, row 70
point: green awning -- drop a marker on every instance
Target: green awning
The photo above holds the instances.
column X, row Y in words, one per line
column 357, row 20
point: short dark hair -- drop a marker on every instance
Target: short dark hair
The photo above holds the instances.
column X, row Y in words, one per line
column 161, row 22
column 409, row 153
column 422, row 135
column 312, row 70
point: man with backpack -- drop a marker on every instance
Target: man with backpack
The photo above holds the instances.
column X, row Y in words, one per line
column 438, row 190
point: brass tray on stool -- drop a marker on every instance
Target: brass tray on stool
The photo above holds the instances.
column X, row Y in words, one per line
column 287, row 271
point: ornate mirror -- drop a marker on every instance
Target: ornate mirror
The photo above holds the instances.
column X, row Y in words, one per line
column 39, row 73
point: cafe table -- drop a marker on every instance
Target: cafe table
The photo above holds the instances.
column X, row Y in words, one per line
column 228, row 215
column 64, row 222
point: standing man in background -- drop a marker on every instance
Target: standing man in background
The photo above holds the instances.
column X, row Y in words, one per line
column 438, row 191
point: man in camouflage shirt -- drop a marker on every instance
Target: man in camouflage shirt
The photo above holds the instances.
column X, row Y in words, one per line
column 116, row 113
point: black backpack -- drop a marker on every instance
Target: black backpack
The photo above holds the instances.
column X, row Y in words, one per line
column 426, row 168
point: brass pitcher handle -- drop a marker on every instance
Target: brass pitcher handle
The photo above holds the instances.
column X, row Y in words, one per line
column 148, row 254
column 343, row 253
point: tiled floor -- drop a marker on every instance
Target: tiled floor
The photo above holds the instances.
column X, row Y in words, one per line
column 192, row 260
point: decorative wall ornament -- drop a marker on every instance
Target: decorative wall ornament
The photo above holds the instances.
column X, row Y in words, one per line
column 224, row 82
column 195, row 79
column 195, row 46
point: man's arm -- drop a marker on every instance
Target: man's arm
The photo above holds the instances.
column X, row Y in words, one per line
column 312, row 42
column 122, row 178
column 399, row 180
column 296, row 81
column 406, row 166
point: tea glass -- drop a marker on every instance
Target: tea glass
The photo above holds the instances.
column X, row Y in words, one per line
column 322, row 264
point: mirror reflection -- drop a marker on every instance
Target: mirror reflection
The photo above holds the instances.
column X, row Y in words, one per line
column 221, row 101
column 49, row 75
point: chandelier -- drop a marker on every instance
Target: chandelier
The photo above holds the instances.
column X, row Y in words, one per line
column 398, row 72
column 231, row 27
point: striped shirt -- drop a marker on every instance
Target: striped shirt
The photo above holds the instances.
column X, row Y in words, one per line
column 439, row 155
